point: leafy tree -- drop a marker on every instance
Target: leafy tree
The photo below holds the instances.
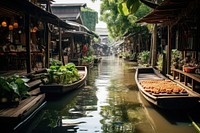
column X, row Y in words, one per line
column 90, row 18
column 119, row 22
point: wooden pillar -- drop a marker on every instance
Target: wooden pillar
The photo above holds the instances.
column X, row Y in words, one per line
column 61, row 54
column 153, row 50
column 28, row 45
column 169, row 50
column 60, row 44
column 47, row 43
column 72, row 46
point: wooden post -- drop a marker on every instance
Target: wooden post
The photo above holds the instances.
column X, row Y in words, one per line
column 47, row 40
column 61, row 53
column 60, row 44
column 169, row 50
column 153, row 50
column 72, row 46
column 47, row 43
column 28, row 45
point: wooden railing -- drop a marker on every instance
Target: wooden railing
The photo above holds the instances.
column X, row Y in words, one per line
column 184, row 77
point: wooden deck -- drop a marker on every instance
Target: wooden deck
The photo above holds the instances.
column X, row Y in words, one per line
column 15, row 117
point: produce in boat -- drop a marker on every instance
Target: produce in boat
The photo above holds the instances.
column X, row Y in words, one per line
column 62, row 74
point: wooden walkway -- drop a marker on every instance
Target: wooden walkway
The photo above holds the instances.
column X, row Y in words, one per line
column 15, row 117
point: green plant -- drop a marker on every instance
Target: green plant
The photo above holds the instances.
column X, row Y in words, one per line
column 90, row 51
column 176, row 59
column 55, row 62
column 62, row 74
column 13, row 88
column 126, row 55
column 88, row 59
column 160, row 62
column 143, row 58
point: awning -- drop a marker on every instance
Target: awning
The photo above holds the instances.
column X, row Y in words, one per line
column 75, row 32
column 81, row 28
column 80, row 33
column 26, row 7
column 167, row 12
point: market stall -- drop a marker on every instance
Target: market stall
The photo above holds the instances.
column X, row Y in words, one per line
column 25, row 34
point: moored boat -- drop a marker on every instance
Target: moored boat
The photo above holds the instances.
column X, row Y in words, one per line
column 162, row 92
column 55, row 88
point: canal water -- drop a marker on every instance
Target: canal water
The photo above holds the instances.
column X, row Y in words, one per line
column 109, row 103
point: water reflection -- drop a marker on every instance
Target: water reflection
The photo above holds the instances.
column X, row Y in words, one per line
column 107, row 104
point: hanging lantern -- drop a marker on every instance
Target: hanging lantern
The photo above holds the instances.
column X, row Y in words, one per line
column 10, row 27
column 35, row 29
column 15, row 25
column 4, row 24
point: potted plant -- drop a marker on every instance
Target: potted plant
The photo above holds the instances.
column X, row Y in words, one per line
column 176, row 60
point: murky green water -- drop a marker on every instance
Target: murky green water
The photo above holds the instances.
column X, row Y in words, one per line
column 109, row 103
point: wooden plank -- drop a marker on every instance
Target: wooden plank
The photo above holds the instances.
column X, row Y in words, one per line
column 35, row 92
column 32, row 106
column 34, row 83
column 23, row 108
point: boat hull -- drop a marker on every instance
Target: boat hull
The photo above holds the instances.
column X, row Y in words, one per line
column 164, row 100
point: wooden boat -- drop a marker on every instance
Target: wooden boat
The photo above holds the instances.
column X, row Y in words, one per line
column 59, row 88
column 168, row 99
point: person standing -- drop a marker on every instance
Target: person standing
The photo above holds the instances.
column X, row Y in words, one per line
column 84, row 50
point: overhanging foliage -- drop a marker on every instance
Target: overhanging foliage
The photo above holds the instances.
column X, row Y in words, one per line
column 90, row 18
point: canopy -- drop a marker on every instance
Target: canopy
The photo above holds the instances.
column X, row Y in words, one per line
column 26, row 7
column 167, row 12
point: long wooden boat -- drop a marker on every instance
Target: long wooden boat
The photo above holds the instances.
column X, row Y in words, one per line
column 60, row 88
column 162, row 92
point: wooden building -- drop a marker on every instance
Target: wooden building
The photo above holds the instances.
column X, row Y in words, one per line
column 73, row 40
column 179, row 26
column 25, row 33
column 70, row 12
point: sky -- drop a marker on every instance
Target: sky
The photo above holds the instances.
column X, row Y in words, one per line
column 93, row 5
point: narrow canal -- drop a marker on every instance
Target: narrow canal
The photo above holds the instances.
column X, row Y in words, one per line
column 109, row 103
